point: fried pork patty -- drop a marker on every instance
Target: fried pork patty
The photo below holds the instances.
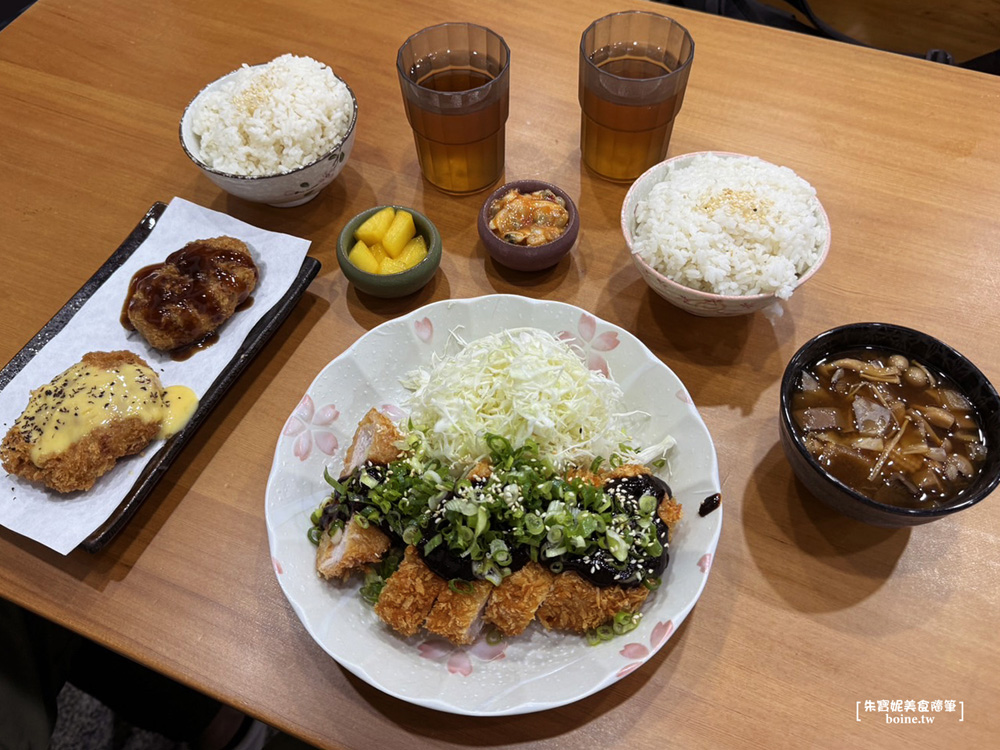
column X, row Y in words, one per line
column 194, row 291
column 78, row 466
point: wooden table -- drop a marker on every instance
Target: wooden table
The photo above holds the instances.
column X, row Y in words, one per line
column 805, row 614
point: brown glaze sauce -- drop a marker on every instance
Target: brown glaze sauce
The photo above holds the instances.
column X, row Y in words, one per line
column 194, row 297
column 709, row 504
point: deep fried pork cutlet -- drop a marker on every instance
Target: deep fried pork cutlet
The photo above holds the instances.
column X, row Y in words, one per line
column 409, row 594
column 457, row 613
column 343, row 552
column 575, row 604
column 376, row 440
column 414, row 597
column 194, row 291
column 74, row 429
column 350, row 549
column 514, row 602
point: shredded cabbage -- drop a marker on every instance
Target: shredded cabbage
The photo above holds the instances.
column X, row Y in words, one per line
column 523, row 384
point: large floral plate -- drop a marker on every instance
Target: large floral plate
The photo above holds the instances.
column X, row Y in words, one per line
column 537, row 670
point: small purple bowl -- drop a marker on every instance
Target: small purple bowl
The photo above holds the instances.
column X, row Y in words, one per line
column 523, row 257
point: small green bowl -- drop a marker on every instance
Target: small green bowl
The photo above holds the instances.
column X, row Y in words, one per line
column 396, row 284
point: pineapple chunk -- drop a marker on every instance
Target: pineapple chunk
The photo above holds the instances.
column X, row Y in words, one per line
column 390, row 266
column 378, row 252
column 374, row 227
column 414, row 251
column 361, row 257
column 399, row 233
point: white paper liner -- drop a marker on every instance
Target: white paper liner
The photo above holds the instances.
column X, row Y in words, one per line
column 62, row 521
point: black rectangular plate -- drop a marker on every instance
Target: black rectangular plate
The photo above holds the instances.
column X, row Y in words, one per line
column 158, row 464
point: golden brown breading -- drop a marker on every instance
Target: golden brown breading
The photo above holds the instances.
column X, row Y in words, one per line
column 670, row 512
column 375, row 440
column 586, row 475
column 456, row 615
column 194, row 291
column 624, row 471
column 355, row 547
column 481, row 471
column 409, row 594
column 513, row 604
column 575, row 604
column 80, row 464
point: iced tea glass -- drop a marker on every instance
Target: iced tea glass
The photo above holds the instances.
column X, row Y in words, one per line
column 634, row 68
column 455, row 79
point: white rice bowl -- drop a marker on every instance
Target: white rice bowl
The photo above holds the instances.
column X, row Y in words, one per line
column 272, row 119
column 730, row 225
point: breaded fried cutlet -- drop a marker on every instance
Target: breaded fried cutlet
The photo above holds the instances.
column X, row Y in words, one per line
column 514, row 602
column 457, row 613
column 346, row 551
column 194, row 291
column 409, row 594
column 375, row 440
column 74, row 429
column 575, row 604
column 670, row 512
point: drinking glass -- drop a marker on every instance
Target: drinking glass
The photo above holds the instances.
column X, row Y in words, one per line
column 634, row 69
column 455, row 79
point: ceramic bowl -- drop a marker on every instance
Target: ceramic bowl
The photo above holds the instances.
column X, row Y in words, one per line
column 916, row 346
column 396, row 284
column 695, row 301
column 283, row 190
column 522, row 257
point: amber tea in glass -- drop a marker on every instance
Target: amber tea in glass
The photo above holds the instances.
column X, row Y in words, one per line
column 633, row 72
column 455, row 81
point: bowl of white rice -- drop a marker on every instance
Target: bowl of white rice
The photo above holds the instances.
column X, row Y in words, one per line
column 721, row 234
column 276, row 133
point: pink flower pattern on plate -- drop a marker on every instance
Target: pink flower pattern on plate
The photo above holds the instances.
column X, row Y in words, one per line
column 588, row 345
column 424, row 329
column 311, row 427
column 639, row 652
column 705, row 563
column 457, row 659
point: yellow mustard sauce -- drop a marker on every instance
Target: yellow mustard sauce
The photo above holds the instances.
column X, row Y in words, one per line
column 180, row 403
column 85, row 397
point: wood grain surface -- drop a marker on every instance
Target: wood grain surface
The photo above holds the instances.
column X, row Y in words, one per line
column 965, row 28
column 805, row 614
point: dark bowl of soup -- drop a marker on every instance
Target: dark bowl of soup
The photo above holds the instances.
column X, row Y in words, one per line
column 889, row 425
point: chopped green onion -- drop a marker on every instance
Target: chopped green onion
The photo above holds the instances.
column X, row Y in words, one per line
column 314, row 534
column 625, row 621
column 460, row 586
column 499, row 446
column 412, row 535
column 433, row 543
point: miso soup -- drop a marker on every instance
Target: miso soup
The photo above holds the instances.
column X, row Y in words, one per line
column 890, row 428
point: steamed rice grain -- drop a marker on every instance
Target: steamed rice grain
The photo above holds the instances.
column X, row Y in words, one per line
column 731, row 226
column 270, row 119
